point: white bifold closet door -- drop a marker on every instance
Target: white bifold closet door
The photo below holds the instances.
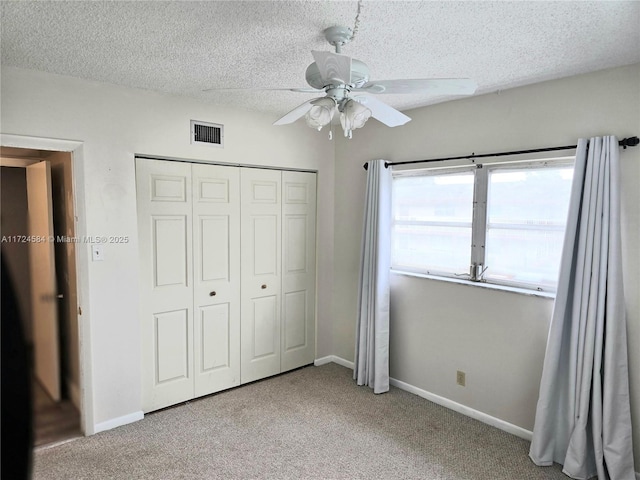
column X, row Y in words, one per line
column 261, row 273
column 188, row 217
column 227, row 289
column 298, row 325
column 278, row 271
column 216, row 260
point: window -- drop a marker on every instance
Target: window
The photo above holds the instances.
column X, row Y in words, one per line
column 432, row 224
column 501, row 224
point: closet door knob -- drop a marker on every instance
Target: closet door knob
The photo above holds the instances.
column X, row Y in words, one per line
column 212, row 294
column 263, row 286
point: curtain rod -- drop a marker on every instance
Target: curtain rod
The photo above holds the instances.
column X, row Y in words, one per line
column 624, row 143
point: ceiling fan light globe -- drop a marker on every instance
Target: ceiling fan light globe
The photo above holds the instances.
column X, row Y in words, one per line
column 321, row 113
column 319, row 118
column 354, row 115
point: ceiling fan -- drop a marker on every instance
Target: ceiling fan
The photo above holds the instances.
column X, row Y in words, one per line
column 345, row 82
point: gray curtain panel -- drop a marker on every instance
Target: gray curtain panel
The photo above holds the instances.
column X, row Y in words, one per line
column 583, row 418
column 371, row 366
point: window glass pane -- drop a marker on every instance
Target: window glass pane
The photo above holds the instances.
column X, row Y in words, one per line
column 432, row 217
column 529, row 196
column 526, row 217
column 444, row 197
column 524, row 256
column 432, row 248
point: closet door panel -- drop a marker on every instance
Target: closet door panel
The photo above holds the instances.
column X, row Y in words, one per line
column 261, row 273
column 216, row 246
column 166, row 290
column 295, row 329
column 169, row 249
column 264, row 332
column 215, row 344
column 171, row 340
column 299, row 269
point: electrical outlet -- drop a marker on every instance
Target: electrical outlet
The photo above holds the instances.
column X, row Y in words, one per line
column 460, row 378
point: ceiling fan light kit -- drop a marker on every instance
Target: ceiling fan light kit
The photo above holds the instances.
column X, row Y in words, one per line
column 321, row 112
column 339, row 76
column 354, row 115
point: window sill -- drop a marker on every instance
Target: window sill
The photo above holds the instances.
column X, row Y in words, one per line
column 491, row 286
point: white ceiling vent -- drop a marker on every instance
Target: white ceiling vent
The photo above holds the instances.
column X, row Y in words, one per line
column 203, row 133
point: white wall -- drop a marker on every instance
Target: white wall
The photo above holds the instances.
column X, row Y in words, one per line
column 114, row 124
column 497, row 337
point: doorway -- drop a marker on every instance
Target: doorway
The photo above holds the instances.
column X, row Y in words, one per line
column 44, row 277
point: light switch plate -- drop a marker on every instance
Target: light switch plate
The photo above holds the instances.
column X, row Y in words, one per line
column 97, row 252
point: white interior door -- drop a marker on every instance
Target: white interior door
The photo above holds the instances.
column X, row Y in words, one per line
column 261, row 273
column 298, row 269
column 216, row 259
column 44, row 307
column 166, row 286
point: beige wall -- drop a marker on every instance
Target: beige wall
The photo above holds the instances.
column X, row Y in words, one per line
column 497, row 337
column 115, row 123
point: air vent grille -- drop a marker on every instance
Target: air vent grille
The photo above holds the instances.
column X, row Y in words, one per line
column 207, row 133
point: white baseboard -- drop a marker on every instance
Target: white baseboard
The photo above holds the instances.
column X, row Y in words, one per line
column 118, row 422
column 469, row 412
column 333, row 359
column 445, row 402
column 74, row 393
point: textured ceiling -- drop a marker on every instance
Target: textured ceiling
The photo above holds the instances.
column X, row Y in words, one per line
column 184, row 47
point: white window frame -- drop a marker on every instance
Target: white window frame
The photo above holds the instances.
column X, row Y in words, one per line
column 475, row 275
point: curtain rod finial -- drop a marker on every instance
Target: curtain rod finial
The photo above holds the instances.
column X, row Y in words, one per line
column 629, row 142
column 366, row 166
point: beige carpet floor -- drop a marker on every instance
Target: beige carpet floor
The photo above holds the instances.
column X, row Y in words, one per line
column 312, row 423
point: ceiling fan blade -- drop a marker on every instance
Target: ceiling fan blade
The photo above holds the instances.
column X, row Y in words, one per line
column 296, row 113
column 334, row 68
column 383, row 112
column 433, row 86
column 299, row 89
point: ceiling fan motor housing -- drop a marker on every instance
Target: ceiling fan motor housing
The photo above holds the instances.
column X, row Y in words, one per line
column 359, row 75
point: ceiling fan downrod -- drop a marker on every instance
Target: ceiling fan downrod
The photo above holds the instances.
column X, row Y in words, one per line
column 338, row 36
